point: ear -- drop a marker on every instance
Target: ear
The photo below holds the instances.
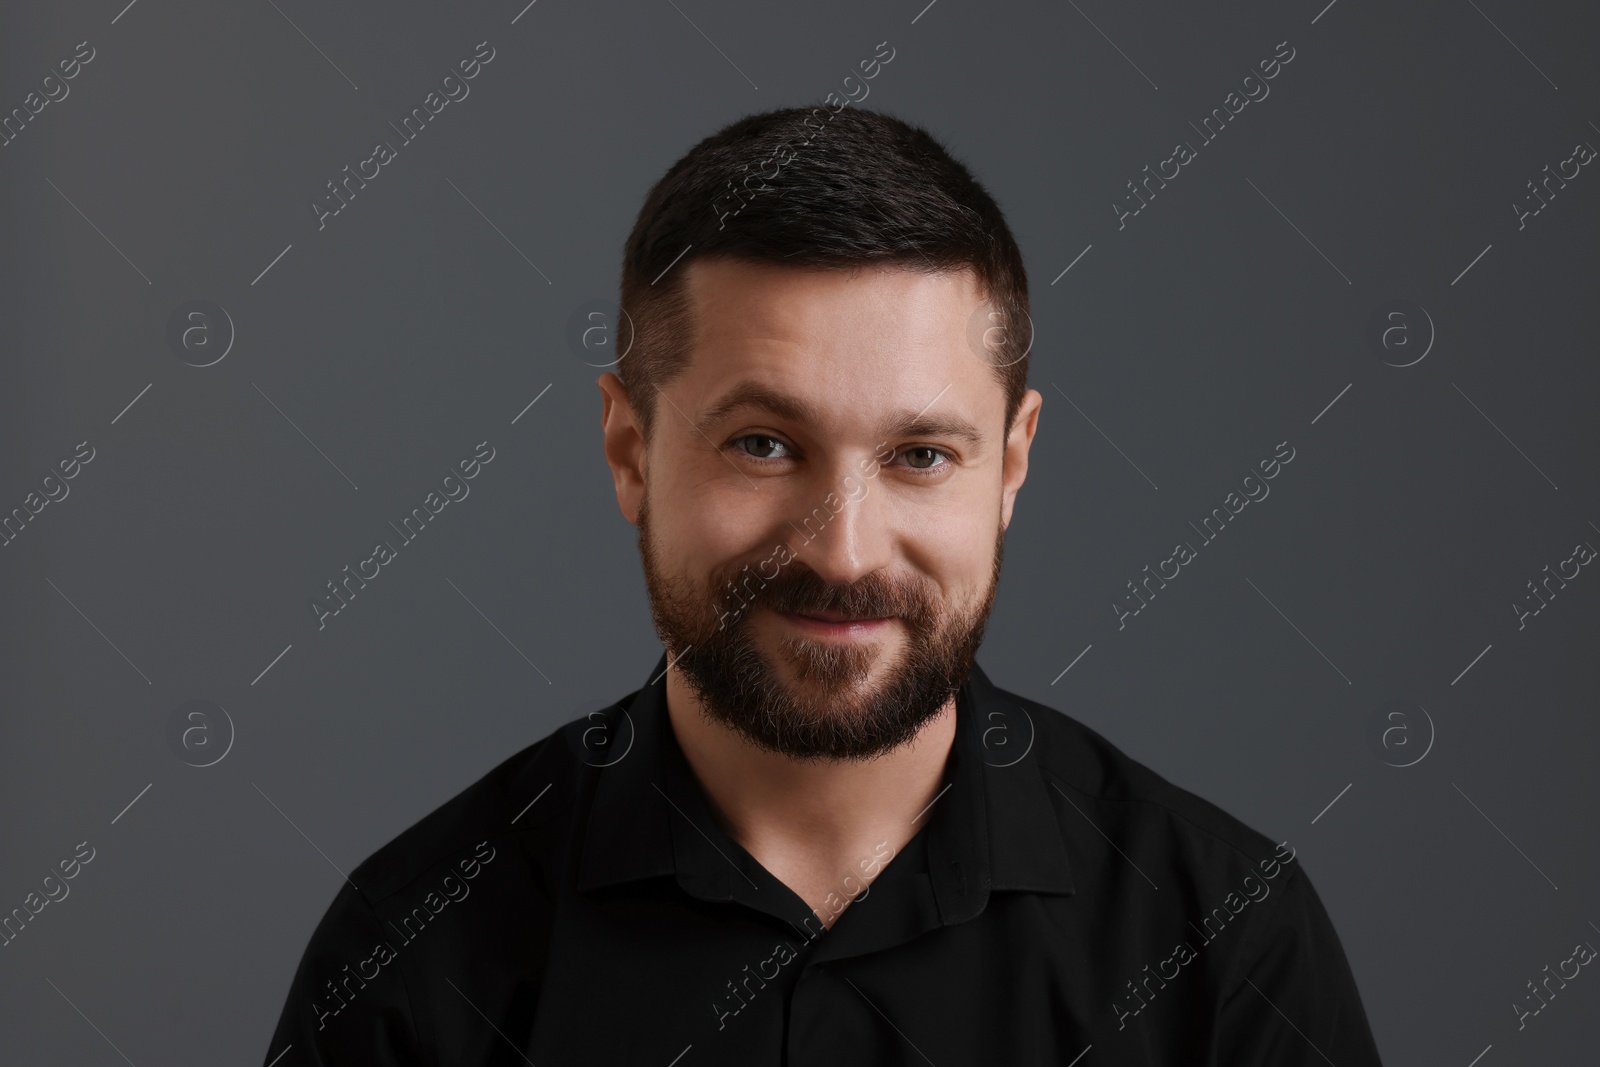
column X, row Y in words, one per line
column 624, row 444
column 1018, row 441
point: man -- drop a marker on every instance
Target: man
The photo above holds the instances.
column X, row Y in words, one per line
column 818, row 834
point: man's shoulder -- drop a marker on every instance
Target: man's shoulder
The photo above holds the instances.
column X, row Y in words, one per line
column 528, row 797
column 1085, row 768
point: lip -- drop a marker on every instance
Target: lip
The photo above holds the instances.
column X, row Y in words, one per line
column 844, row 629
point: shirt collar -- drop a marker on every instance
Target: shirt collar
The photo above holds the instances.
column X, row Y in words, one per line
column 992, row 827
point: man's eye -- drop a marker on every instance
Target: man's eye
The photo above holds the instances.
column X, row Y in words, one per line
column 761, row 446
column 923, row 458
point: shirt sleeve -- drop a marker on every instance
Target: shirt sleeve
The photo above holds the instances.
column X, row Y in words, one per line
column 348, row 1002
column 1292, row 999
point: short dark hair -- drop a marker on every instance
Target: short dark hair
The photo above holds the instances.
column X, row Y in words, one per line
column 819, row 189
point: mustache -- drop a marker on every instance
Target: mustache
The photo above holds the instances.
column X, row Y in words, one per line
column 800, row 590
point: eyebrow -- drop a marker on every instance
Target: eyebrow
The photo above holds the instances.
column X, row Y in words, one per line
column 905, row 423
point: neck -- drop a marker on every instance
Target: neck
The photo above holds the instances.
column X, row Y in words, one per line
column 820, row 827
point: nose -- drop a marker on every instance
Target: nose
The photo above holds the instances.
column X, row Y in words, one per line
column 848, row 531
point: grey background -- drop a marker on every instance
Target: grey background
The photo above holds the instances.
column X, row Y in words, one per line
column 1223, row 319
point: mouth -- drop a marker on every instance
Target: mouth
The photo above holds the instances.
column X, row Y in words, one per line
column 836, row 625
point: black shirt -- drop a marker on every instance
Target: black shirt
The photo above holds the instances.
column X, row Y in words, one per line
column 1059, row 903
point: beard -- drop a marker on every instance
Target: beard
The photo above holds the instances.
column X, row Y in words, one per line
column 832, row 710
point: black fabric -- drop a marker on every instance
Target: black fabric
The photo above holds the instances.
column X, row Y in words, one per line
column 580, row 904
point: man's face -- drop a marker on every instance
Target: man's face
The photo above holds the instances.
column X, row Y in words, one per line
column 821, row 508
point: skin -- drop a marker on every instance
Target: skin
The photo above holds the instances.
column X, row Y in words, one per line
column 858, row 349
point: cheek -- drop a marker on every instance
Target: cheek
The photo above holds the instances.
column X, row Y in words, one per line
column 964, row 510
column 952, row 543
column 703, row 527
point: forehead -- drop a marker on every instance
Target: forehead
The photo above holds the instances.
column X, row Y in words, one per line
column 854, row 342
